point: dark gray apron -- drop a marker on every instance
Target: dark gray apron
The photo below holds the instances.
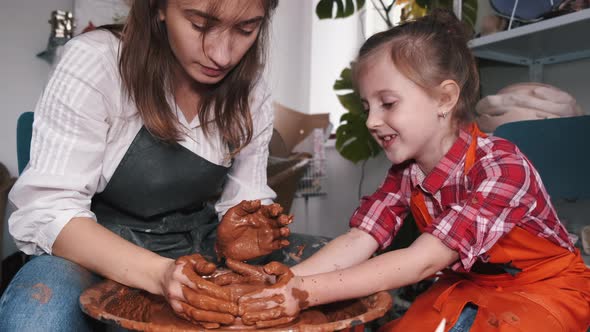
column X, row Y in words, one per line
column 160, row 198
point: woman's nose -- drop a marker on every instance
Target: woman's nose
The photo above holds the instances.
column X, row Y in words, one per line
column 218, row 48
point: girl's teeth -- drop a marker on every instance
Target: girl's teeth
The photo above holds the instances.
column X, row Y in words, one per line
column 389, row 137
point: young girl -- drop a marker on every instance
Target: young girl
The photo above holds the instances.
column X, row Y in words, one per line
column 486, row 220
column 137, row 129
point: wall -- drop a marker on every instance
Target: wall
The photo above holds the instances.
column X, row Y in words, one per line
column 290, row 54
column 307, row 56
column 24, row 30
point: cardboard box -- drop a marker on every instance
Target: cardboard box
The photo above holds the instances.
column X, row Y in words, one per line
column 293, row 127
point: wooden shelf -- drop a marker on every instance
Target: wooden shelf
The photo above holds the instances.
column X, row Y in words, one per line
column 559, row 39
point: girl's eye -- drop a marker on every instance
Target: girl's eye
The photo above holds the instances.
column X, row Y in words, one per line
column 388, row 105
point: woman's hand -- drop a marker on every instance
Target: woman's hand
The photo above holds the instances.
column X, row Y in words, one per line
column 193, row 297
column 242, row 273
column 275, row 305
column 250, row 229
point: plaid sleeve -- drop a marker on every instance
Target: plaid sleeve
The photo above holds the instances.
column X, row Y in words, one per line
column 500, row 198
column 382, row 213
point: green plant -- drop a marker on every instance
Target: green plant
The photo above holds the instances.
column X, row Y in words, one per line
column 344, row 8
column 353, row 140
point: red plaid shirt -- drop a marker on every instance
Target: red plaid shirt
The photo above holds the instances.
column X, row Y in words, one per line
column 472, row 211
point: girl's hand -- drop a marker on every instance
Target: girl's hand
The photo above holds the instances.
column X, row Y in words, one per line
column 275, row 305
column 194, row 298
column 242, row 273
column 250, row 229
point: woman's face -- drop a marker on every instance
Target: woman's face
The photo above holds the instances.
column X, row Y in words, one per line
column 232, row 29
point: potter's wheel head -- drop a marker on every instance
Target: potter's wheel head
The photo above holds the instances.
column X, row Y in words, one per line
column 133, row 309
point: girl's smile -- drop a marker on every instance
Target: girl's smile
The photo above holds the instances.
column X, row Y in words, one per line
column 386, row 141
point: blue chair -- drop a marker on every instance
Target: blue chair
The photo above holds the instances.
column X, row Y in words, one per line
column 556, row 147
column 24, row 132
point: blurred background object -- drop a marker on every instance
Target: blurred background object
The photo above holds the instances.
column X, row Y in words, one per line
column 62, row 30
column 524, row 101
column 297, row 161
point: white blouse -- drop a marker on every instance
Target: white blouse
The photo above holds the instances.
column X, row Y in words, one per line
column 83, row 126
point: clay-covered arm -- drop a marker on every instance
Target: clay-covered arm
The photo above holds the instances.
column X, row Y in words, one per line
column 94, row 247
column 426, row 256
column 347, row 250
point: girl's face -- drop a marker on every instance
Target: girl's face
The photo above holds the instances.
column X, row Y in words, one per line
column 402, row 117
column 208, row 57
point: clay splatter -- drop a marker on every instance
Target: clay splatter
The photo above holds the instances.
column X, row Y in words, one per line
column 41, row 293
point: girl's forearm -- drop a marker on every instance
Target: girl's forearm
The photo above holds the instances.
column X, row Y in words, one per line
column 94, row 247
column 388, row 271
column 347, row 250
column 426, row 256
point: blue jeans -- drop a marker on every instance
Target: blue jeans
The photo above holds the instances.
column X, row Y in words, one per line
column 466, row 319
column 43, row 296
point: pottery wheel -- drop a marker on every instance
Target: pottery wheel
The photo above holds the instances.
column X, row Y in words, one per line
column 135, row 309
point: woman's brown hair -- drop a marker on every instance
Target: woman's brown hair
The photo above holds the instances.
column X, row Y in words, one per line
column 428, row 51
column 146, row 65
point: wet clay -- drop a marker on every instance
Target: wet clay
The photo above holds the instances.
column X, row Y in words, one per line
column 138, row 310
column 208, row 303
column 41, row 293
column 260, row 311
column 250, row 230
column 301, row 297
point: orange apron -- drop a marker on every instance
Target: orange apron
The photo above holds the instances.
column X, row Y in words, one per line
column 551, row 293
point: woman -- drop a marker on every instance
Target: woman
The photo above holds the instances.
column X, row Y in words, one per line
column 137, row 129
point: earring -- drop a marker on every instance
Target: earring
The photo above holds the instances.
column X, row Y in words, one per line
column 444, row 115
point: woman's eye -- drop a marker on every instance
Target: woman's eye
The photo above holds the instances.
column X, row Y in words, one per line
column 247, row 29
column 198, row 27
column 245, row 32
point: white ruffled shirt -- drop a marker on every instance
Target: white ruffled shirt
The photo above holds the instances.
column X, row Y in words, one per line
column 84, row 125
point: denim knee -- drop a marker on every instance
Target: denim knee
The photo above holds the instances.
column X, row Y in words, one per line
column 466, row 319
column 43, row 296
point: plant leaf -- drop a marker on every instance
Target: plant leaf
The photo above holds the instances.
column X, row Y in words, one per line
column 423, row 3
column 349, row 99
column 353, row 140
column 351, row 102
column 323, row 9
column 344, row 8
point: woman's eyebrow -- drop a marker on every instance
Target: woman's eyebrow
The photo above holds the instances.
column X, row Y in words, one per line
column 196, row 12
column 252, row 20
